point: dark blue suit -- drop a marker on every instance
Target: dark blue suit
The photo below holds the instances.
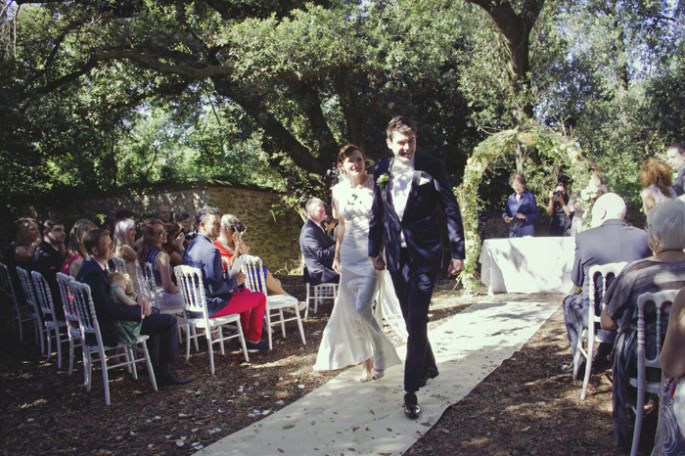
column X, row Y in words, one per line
column 318, row 250
column 203, row 254
column 162, row 328
column 414, row 270
column 612, row 242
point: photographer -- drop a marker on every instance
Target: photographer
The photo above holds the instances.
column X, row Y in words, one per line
column 231, row 246
column 559, row 209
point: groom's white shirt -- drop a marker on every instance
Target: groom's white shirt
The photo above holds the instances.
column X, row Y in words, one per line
column 401, row 175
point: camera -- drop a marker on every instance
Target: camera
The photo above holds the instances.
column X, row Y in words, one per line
column 557, row 194
column 238, row 227
column 189, row 236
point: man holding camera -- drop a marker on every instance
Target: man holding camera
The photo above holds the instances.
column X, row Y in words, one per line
column 225, row 295
column 559, row 209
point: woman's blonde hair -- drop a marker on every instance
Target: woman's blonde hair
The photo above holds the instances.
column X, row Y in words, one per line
column 77, row 234
column 23, row 229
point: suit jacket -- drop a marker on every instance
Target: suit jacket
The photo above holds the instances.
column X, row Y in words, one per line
column 679, row 183
column 613, row 241
column 318, row 250
column 430, row 188
column 203, row 254
column 106, row 310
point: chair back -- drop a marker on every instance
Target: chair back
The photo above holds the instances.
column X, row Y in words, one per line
column 68, row 303
column 191, row 285
column 149, row 278
column 601, row 276
column 255, row 280
column 29, row 291
column 43, row 295
column 85, row 310
column 6, row 283
column 119, row 265
column 144, row 288
column 661, row 301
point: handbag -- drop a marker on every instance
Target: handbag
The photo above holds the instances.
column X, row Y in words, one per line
column 514, row 224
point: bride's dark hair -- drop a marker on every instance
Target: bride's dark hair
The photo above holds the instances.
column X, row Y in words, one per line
column 346, row 151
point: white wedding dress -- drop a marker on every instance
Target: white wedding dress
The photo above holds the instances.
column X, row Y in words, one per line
column 353, row 333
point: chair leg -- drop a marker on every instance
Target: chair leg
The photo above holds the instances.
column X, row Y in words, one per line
column 307, row 299
column 639, row 410
column 71, row 355
column 269, row 333
column 208, row 334
column 148, row 364
column 105, row 375
column 300, row 327
column 280, row 314
column 241, row 336
column 58, row 341
column 48, row 336
column 20, row 323
column 188, row 342
column 588, row 362
column 87, row 367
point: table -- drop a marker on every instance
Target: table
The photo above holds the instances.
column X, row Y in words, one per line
column 528, row 264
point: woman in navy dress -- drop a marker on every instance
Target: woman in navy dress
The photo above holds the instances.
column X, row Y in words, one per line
column 520, row 205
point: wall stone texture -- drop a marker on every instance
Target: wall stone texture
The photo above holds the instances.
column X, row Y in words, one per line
column 272, row 229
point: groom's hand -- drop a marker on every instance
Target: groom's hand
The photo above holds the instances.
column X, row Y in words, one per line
column 378, row 262
column 455, row 267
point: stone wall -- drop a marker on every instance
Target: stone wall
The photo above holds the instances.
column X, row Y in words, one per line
column 272, row 230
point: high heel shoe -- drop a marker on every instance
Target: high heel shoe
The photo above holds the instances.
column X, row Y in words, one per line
column 377, row 374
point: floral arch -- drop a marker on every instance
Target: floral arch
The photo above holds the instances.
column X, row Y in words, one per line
column 547, row 143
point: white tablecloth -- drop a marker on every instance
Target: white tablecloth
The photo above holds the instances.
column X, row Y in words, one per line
column 528, row 264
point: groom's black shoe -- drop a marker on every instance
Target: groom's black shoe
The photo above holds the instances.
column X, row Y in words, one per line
column 411, row 406
column 431, row 373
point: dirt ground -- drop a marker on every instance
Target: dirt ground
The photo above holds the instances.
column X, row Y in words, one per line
column 525, row 407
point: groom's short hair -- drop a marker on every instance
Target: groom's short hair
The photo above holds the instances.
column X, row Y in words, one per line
column 400, row 124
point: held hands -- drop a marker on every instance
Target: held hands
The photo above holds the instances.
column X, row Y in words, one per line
column 455, row 267
column 378, row 262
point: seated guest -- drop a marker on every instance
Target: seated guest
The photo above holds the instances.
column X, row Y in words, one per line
column 318, row 249
column 665, row 270
column 20, row 252
column 76, row 251
column 670, row 432
column 174, row 244
column 49, row 258
column 611, row 240
column 655, row 176
column 162, row 329
column 231, row 246
column 151, row 251
column 164, row 213
column 186, row 226
column 123, row 237
column 521, row 208
column 225, row 295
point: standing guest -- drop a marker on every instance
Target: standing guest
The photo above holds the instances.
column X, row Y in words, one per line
column 231, row 246
column 521, row 208
column 318, row 248
column 76, row 251
column 665, row 270
column 225, row 295
column 408, row 189
column 174, row 244
column 353, row 334
column 152, row 251
column 162, row 329
column 49, row 258
column 164, row 213
column 675, row 157
column 655, row 177
column 611, row 240
column 670, row 435
column 110, row 221
column 560, row 209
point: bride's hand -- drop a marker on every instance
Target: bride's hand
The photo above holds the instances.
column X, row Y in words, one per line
column 336, row 265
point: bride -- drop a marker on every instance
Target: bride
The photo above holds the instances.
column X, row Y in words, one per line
column 353, row 334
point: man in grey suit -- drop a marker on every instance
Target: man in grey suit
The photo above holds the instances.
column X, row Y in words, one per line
column 318, row 248
column 611, row 240
column 675, row 156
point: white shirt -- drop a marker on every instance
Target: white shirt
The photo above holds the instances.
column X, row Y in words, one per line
column 401, row 176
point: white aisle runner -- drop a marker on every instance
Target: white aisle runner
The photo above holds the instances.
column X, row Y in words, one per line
column 345, row 417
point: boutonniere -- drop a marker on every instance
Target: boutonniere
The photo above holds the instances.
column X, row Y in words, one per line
column 382, row 180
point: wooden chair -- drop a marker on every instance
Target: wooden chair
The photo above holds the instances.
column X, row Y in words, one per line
column 662, row 302
column 275, row 304
column 586, row 339
column 94, row 349
column 196, row 316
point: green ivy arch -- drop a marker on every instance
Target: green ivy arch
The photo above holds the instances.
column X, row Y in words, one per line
column 548, row 143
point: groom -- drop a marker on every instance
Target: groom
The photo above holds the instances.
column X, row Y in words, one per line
column 408, row 187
